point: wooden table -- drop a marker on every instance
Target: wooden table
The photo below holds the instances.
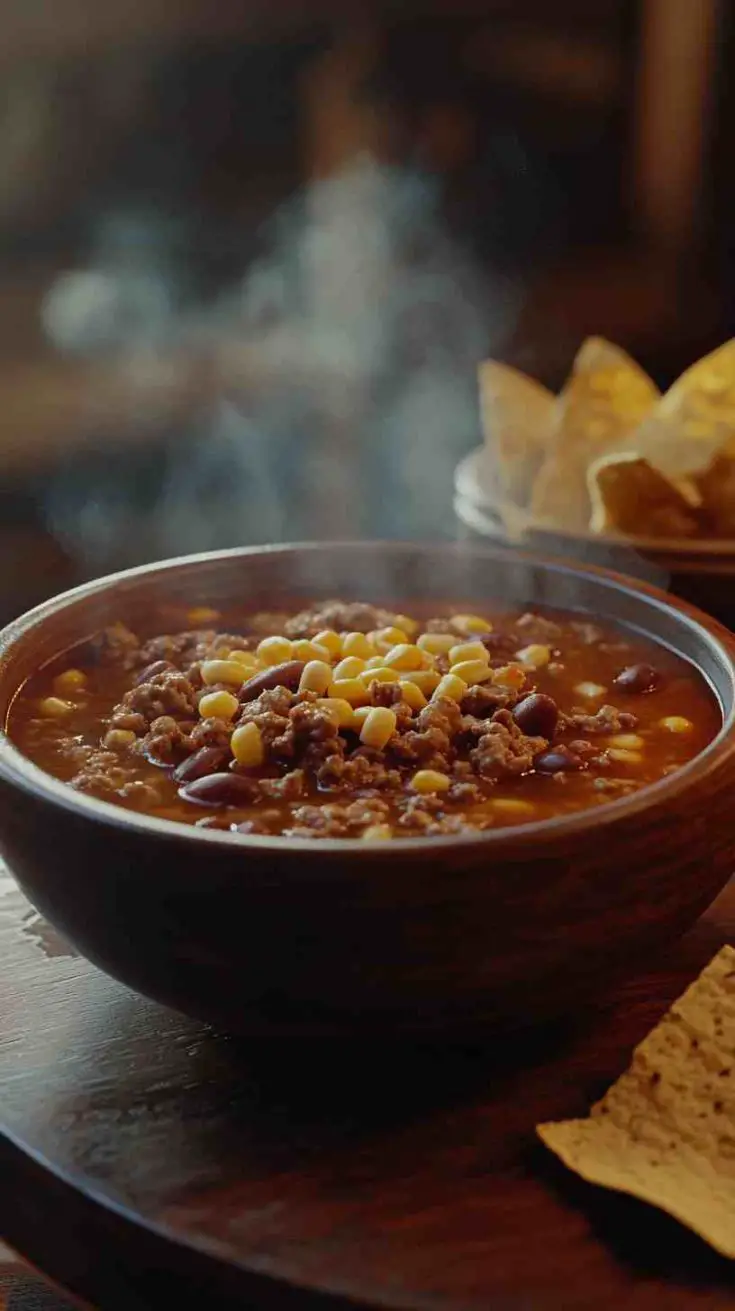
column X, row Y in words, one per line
column 146, row 1156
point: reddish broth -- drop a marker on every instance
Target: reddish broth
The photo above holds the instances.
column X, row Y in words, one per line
column 517, row 747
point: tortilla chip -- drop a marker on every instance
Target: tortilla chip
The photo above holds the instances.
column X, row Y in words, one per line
column 665, row 1132
column 717, row 490
column 517, row 414
column 605, row 400
column 629, row 496
column 695, row 420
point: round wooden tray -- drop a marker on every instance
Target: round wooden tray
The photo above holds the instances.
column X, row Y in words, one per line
column 146, row 1157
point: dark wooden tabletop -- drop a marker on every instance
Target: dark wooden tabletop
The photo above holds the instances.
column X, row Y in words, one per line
column 146, row 1156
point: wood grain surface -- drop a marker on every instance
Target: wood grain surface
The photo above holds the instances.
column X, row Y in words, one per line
column 144, row 1155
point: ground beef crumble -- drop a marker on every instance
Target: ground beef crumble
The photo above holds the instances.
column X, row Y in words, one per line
column 605, row 720
column 503, row 749
column 338, row 615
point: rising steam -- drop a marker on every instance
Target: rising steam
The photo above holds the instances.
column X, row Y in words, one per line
column 346, row 389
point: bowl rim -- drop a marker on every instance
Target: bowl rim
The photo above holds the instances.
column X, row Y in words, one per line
column 470, row 489
column 17, row 770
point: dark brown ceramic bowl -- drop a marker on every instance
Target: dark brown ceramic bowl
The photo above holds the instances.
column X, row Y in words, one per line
column 446, row 934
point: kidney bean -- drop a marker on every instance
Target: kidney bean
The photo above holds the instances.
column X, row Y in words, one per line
column 558, row 760
column 220, row 790
column 284, row 675
column 638, row 678
column 537, row 715
column 150, row 671
column 207, row 760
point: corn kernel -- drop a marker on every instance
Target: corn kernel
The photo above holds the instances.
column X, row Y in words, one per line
column 676, row 724
column 52, row 707
column 535, row 655
column 118, row 737
column 412, row 695
column 303, row 650
column 247, row 659
column 430, row 780
column 315, row 677
column 627, row 741
column 452, row 686
column 350, row 667
column 625, row 757
column 509, row 676
column 379, row 675
column 331, row 640
column 273, row 650
column 356, row 644
column 426, row 679
column 375, row 662
column 471, row 624
column 404, row 656
column 513, row 806
column 385, row 638
column 203, row 614
column 360, row 715
column 377, row 833
column 590, row 691
column 407, row 625
column 72, row 680
column 223, row 671
column 468, row 651
column 379, row 727
column 246, row 745
column 436, row 643
column 218, row 705
column 473, row 671
column 349, row 689
column 341, row 711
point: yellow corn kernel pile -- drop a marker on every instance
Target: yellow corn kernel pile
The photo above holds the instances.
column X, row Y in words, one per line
column 339, row 668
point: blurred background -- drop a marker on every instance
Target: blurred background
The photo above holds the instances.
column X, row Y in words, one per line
column 251, row 254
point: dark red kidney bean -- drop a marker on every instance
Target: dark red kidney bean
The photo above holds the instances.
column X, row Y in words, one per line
column 638, row 678
column 207, row 760
column 150, row 671
column 220, row 790
column 284, row 675
column 537, row 715
column 557, row 761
